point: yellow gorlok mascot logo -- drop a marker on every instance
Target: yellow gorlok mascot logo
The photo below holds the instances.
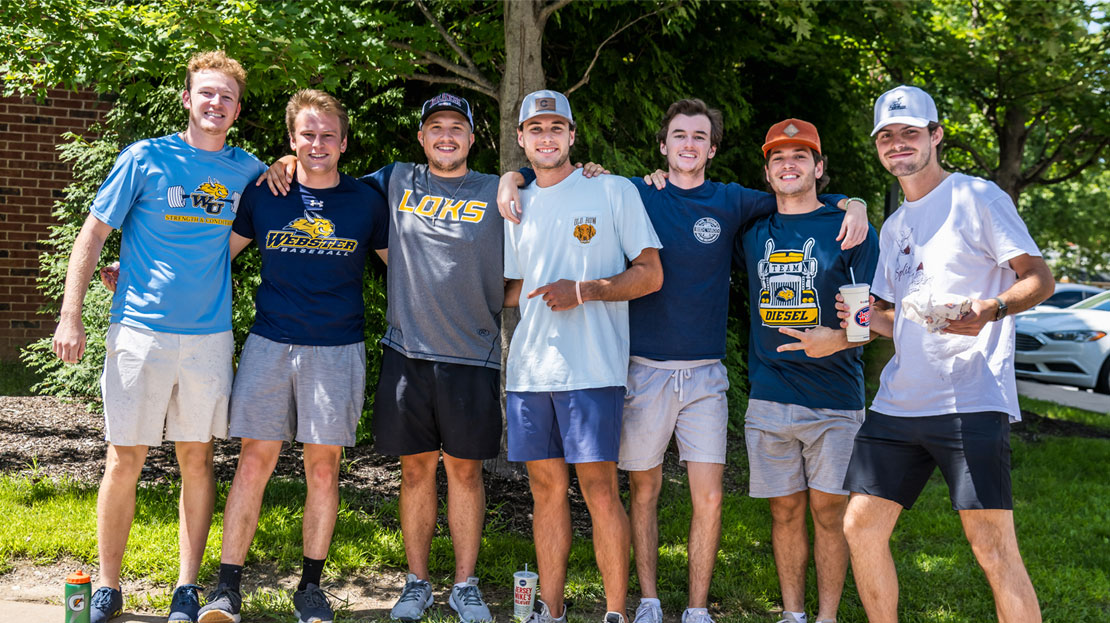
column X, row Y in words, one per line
column 310, row 234
column 585, row 228
column 315, row 227
column 209, row 196
column 787, row 297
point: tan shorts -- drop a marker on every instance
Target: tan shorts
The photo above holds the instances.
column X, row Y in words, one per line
column 687, row 399
column 168, row 386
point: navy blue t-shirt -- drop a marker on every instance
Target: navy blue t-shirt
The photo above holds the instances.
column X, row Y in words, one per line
column 314, row 244
column 686, row 319
column 795, row 269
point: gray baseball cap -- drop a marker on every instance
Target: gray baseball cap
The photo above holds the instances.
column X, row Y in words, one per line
column 904, row 104
column 545, row 102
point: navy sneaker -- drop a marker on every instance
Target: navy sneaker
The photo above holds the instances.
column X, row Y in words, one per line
column 222, row 607
column 106, row 603
column 312, row 606
column 185, row 604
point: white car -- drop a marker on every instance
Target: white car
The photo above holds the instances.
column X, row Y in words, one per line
column 1069, row 346
column 1068, row 294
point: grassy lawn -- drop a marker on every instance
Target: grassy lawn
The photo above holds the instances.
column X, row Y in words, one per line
column 1062, row 513
column 16, row 378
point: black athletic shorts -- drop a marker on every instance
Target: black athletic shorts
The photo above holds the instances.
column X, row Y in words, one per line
column 424, row 406
column 893, row 457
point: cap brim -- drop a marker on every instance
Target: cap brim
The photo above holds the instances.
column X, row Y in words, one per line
column 783, row 141
column 440, row 108
column 917, row 122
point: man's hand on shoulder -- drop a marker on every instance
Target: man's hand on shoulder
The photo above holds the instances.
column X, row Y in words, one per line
column 280, row 175
column 853, row 229
column 591, row 169
column 658, row 179
column 508, row 196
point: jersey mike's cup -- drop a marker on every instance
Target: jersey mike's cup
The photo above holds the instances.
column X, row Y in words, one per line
column 524, row 593
column 856, row 297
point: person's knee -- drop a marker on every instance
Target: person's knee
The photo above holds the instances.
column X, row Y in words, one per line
column 419, row 469
column 255, row 463
column 124, row 463
column 322, row 472
column 788, row 509
column 463, row 473
column 707, row 500
column 644, row 488
column 828, row 511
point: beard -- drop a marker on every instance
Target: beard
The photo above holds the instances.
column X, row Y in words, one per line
column 903, row 169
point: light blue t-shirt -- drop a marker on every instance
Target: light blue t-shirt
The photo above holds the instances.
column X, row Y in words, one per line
column 578, row 229
column 174, row 204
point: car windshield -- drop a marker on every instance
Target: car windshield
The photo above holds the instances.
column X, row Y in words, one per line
column 1099, row 301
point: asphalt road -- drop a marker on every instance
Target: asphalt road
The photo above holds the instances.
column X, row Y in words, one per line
column 1068, row 396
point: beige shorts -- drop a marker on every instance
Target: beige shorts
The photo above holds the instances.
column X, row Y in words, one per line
column 687, row 399
column 168, row 386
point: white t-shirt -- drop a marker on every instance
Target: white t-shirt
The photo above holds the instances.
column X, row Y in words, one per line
column 959, row 240
column 578, row 229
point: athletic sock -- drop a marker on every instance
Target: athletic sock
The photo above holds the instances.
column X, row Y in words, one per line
column 231, row 575
column 311, row 574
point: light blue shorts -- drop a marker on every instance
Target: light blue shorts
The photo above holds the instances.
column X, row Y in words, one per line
column 580, row 426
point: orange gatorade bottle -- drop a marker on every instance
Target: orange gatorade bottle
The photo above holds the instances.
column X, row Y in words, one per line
column 78, row 594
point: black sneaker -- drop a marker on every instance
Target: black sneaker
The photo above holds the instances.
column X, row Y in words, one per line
column 223, row 606
column 312, row 606
column 106, row 603
column 185, row 604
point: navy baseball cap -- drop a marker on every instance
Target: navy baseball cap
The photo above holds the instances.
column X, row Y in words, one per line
column 447, row 101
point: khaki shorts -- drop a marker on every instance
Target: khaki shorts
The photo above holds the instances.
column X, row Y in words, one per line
column 169, row 386
column 792, row 448
column 666, row 397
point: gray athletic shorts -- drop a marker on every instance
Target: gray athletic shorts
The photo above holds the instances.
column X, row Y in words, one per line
column 686, row 398
column 311, row 393
column 792, row 448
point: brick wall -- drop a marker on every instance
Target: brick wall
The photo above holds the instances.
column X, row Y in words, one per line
column 31, row 179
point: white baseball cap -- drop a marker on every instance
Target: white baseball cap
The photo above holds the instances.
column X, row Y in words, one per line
column 545, row 102
column 904, row 104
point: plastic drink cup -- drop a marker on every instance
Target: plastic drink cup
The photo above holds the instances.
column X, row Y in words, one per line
column 856, row 296
column 524, row 594
column 78, row 594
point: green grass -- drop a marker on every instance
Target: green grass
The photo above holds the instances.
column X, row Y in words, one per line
column 1062, row 510
column 16, row 378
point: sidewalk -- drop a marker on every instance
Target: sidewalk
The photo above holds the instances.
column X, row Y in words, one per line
column 30, row 612
column 1067, row 396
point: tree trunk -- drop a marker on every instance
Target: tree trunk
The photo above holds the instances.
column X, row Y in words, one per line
column 523, row 75
column 1011, row 147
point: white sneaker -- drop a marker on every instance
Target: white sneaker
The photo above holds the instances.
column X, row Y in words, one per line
column 543, row 615
column 696, row 615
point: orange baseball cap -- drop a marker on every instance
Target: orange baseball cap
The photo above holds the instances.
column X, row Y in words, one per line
column 792, row 131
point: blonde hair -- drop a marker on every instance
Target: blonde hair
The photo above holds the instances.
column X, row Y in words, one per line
column 312, row 98
column 217, row 60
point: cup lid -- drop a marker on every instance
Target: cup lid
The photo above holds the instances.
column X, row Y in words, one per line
column 78, row 577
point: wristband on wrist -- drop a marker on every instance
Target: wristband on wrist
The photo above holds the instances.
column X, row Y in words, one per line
column 578, row 291
column 851, row 199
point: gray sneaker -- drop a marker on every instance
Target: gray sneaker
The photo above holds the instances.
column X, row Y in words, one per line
column 788, row 617
column 415, row 598
column 467, row 601
column 696, row 615
column 312, row 606
column 543, row 615
column 222, row 607
column 648, row 612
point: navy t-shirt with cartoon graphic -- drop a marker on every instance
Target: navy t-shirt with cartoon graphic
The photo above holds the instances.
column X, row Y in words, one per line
column 314, row 244
column 795, row 269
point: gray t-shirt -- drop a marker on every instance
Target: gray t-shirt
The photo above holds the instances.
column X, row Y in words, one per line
column 445, row 264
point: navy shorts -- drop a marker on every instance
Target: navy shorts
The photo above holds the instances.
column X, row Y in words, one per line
column 425, row 406
column 580, row 426
column 893, row 457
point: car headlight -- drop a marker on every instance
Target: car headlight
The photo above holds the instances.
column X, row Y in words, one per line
column 1081, row 335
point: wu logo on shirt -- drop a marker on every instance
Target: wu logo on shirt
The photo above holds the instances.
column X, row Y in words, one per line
column 787, row 297
column 310, row 234
column 210, row 196
column 432, row 206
